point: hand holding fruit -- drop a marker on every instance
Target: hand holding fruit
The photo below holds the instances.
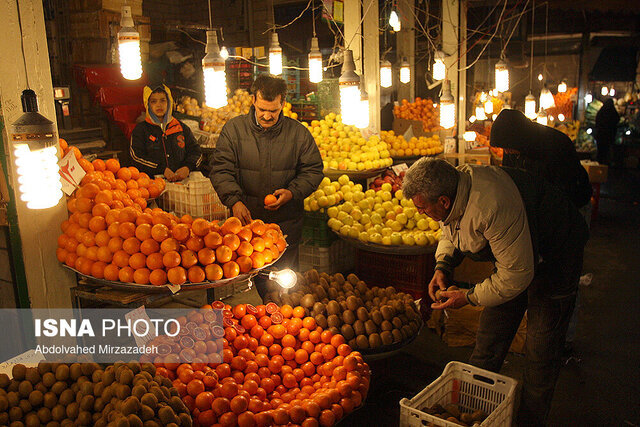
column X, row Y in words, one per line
column 451, row 298
column 241, row 212
column 182, row 173
column 438, row 282
column 169, row 175
column 282, row 197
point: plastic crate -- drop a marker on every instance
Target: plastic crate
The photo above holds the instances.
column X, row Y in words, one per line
column 315, row 231
column 194, row 196
column 339, row 257
column 471, row 389
column 406, row 273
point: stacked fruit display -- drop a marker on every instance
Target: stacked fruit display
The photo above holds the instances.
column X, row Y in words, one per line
column 112, row 235
column 390, row 177
column 569, row 128
column 563, row 103
column 422, row 146
column 83, row 394
column 383, row 218
column 422, row 110
column 366, row 318
column 331, row 193
column 279, row 367
column 344, row 147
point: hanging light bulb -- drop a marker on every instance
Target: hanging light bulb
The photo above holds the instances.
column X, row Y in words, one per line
column 405, row 72
column 540, row 77
column 562, row 87
column 386, row 76
column 546, row 99
column 36, row 156
column 439, row 69
column 561, row 117
column 362, row 120
column 530, row 106
column 604, row 91
column 542, row 117
column 315, row 62
column 129, row 47
column 488, row 106
column 215, row 78
column 612, row 92
column 224, row 53
column 502, row 76
column 472, row 119
column 447, row 107
column 469, row 136
column 588, row 98
column 394, row 21
column 480, row 114
column 275, row 56
column 349, row 84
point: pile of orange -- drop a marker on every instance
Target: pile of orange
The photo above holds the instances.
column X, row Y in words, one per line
column 278, row 368
column 111, row 233
column 422, row 110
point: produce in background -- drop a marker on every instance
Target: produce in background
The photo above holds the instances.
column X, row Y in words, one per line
column 564, row 103
column 455, row 414
column 422, row 146
column 331, row 193
column 383, row 217
column 422, row 110
column 343, row 147
column 279, row 367
column 366, row 318
column 569, row 128
column 111, row 234
column 83, row 394
column 390, row 177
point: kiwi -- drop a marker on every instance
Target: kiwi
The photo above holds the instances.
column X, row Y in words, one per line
column 134, row 420
column 98, row 405
column 18, row 372
column 177, row 405
column 45, row 415
column 131, row 405
column 185, row 420
column 4, row 403
column 138, row 391
column 158, row 393
column 32, row 375
column 375, row 340
column 4, row 381
column 13, row 398
column 347, row 332
column 109, row 376
column 362, row 314
column 362, row 342
column 150, row 400
column 308, row 301
column 25, row 388
column 73, row 409
column 348, row 316
column 126, row 376
column 32, row 420
column 62, row 372
column 50, row 400
column 13, row 385
column 146, row 413
column 466, row 418
column 376, row 316
column 348, row 287
column 86, row 387
column 15, row 413
column 25, row 406
column 358, row 327
column 352, row 303
column 370, row 327
column 333, row 293
column 320, row 292
column 166, row 415
column 322, row 321
column 36, row 397
column 386, row 337
column 333, row 320
column 333, row 307
column 397, row 323
column 397, row 335
column 87, row 402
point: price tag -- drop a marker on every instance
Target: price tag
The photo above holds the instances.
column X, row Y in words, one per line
column 71, row 173
column 402, row 167
column 30, row 358
column 174, row 288
column 141, row 314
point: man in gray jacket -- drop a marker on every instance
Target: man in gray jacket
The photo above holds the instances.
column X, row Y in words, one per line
column 536, row 238
column 263, row 153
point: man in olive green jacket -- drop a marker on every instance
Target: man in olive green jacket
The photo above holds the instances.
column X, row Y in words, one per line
column 263, row 153
column 536, row 238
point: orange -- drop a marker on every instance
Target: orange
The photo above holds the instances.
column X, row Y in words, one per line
column 298, row 312
column 99, row 165
column 143, row 232
column 97, row 269
column 100, row 209
column 281, row 244
column 112, row 216
column 171, row 259
column 111, row 272
column 180, row 232
column 131, row 245
column 270, row 199
column 83, row 219
column 213, row 240
column 104, row 196
column 231, row 269
column 258, row 244
column 104, row 254
column 161, row 218
column 81, row 250
column 135, row 173
column 102, row 238
column 121, row 259
column 112, row 165
column 159, row 232
column 70, row 260
column 232, row 241
column 84, row 204
column 186, row 219
column 223, row 254
column 245, row 263
column 258, row 259
column 137, row 261
column 245, row 234
column 115, row 244
column 154, row 261
column 124, row 174
column 88, row 190
column 287, row 311
column 177, row 275
column 189, row 258
column 245, row 249
column 141, row 276
column 200, row 227
column 154, row 191
column 144, row 193
column 168, row 245
column 258, row 227
column 195, row 243
column 128, row 214
column 231, row 225
column 88, row 239
column 196, row 274
column 97, row 223
column 213, row 272
column 63, row 144
column 126, row 274
column 206, row 256
column 268, row 256
column 158, row 277
column 143, row 181
column 71, row 205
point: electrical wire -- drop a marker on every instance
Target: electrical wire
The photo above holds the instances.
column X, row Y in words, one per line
column 513, row 30
column 24, row 58
column 279, row 27
column 360, row 24
column 210, row 23
column 533, row 20
column 485, row 46
column 313, row 19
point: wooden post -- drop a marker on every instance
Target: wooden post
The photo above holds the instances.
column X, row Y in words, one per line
column 406, row 40
column 372, row 62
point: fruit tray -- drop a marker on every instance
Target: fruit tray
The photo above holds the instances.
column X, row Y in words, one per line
column 333, row 174
column 389, row 350
column 172, row 288
column 388, row 249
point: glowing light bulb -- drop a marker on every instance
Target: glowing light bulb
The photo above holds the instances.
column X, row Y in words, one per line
column 604, row 91
column 562, row 87
column 129, row 47
column 540, row 77
column 405, row 72
column 213, row 69
column 542, row 117
column 588, row 98
column 488, row 106
column 224, row 53
column 469, row 136
column 472, row 119
column 285, row 278
column 502, row 76
column 362, row 120
column 447, row 107
column 589, row 131
column 275, row 56
column 350, row 96
column 530, row 107
column 394, row 21
column 480, row 114
column 439, row 69
column 612, row 92
column 546, row 99
column 561, row 117
column 386, row 76
column 315, row 62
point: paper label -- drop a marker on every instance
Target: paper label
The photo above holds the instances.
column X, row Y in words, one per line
column 449, row 145
column 174, row 288
column 29, row 358
column 141, row 314
column 402, row 167
column 71, row 173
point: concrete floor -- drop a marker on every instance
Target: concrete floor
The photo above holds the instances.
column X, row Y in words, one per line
column 600, row 386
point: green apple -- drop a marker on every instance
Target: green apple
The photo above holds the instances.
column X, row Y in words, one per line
column 333, row 212
column 353, row 233
column 396, row 239
column 313, row 205
column 319, row 193
column 357, row 187
column 364, row 204
column 387, row 206
column 396, row 226
column 423, row 224
column 325, row 181
column 348, row 221
column 344, row 230
column 347, row 207
column 398, row 195
column 336, row 184
column 375, row 238
column 398, row 209
column 408, row 240
column 363, row 236
column 366, row 219
column 386, row 187
column 421, row 239
column 381, row 211
column 386, row 240
column 390, row 215
column 342, row 215
column 431, row 237
column 329, row 190
column 434, row 225
column 386, row 231
column 348, row 196
column 370, row 193
column 356, row 214
column 357, row 226
column 410, row 212
column 331, row 199
column 386, row 195
column 410, row 225
column 376, row 218
column 358, row 195
column 402, row 218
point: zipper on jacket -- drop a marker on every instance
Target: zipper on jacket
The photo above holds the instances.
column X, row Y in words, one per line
column 164, row 148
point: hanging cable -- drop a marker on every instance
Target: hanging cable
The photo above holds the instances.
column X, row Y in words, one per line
column 210, row 22
column 533, row 20
column 24, row 58
column 313, row 19
column 278, row 27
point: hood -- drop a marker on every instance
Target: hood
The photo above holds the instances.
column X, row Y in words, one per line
column 152, row 118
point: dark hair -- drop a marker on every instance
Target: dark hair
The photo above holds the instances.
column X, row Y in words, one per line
column 269, row 87
column 430, row 178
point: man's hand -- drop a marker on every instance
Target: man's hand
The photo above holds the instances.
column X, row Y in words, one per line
column 452, row 299
column 241, row 212
column 182, row 173
column 169, row 175
column 283, row 196
column 439, row 281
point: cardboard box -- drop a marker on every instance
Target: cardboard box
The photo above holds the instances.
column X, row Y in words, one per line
column 597, row 172
column 104, row 24
column 400, row 126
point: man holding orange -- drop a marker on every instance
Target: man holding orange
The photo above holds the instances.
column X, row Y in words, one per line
column 266, row 164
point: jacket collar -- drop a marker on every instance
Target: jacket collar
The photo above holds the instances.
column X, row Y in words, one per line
column 256, row 128
column 462, row 197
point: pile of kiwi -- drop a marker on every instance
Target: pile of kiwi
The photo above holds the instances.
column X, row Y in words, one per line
column 368, row 318
column 83, row 394
column 452, row 413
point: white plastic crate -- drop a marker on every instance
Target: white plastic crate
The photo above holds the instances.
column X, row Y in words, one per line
column 339, row 257
column 194, row 196
column 471, row 389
